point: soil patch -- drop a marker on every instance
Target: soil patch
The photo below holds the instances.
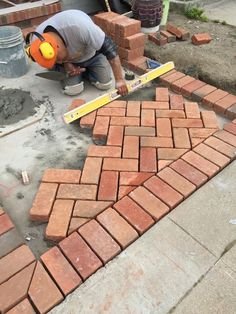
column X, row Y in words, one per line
column 214, row 63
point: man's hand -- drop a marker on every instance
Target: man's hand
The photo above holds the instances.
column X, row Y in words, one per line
column 73, row 70
column 122, row 87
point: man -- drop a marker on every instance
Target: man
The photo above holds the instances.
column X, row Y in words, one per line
column 70, row 42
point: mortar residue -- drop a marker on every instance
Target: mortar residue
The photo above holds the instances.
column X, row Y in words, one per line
column 15, row 105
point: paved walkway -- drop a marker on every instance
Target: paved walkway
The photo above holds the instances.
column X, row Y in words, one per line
column 223, row 10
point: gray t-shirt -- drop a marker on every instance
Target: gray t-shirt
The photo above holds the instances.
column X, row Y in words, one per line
column 82, row 37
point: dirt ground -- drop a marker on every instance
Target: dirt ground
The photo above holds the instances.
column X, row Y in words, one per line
column 214, row 63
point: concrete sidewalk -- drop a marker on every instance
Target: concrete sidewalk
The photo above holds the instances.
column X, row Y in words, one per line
column 184, row 264
column 223, row 10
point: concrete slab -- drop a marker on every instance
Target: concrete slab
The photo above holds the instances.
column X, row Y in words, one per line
column 149, row 277
column 216, row 293
column 222, row 10
column 206, row 214
column 229, row 258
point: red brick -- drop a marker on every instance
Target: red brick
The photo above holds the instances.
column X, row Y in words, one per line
column 202, row 92
column 115, row 136
column 116, row 112
column 221, row 147
column 163, row 191
column 102, row 18
column 163, row 163
column 213, row 97
column 101, row 126
column 77, row 191
column 134, row 41
column 61, row 270
column 15, row 289
column 170, row 153
column 212, row 155
column 134, row 214
column 170, row 37
column 178, row 32
column 147, row 117
column 226, row 137
column 190, row 173
column 200, row 132
column 138, row 65
column 116, row 104
column 150, row 203
column 134, row 178
column 187, row 123
column 104, row 151
column 177, row 181
column 181, row 138
column 113, row 23
column 133, row 109
column 90, row 209
column 91, row 170
column 128, row 27
column 42, row 291
column 88, row 121
column 195, row 141
column 80, row 255
column 156, row 142
column 201, row 39
column 177, row 85
column 61, row 176
column 140, row 131
column 168, row 73
column 155, row 105
column 209, row 119
column 119, row 164
column 100, row 241
column 230, row 127
column 14, row 262
column 162, row 94
column 176, row 102
column 231, row 112
column 108, row 186
column 148, row 159
column 164, row 127
column 201, row 163
column 120, row 230
column 59, row 220
column 125, row 121
column 158, row 40
column 75, row 223
column 224, row 103
column 170, row 114
column 22, row 307
column 43, row 202
column 5, row 224
column 129, row 55
column 125, row 190
column 192, row 110
column 76, row 103
column 131, row 147
column 188, row 89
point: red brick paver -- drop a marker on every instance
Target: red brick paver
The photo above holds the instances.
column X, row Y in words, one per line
column 5, row 224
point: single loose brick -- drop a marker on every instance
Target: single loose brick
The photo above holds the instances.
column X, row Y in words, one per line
column 230, row 127
column 192, row 110
column 148, row 159
column 100, row 241
column 131, row 147
column 120, row 230
column 176, row 86
column 202, row 92
column 164, row 127
column 134, row 178
column 170, row 37
column 226, row 137
column 150, row 203
column 163, row 191
column 162, row 94
column 189, row 172
column 77, row 191
column 176, row 102
column 22, row 307
column 155, row 105
column 84, row 260
column 43, row 202
column 201, row 39
column 14, row 262
column 209, row 119
column 101, row 126
column 125, row 121
column 170, row 114
column 181, row 138
column 119, row 164
column 156, row 142
column 75, row 223
column 116, row 112
column 42, row 291
column 213, row 97
column 148, row 117
column 124, row 190
column 140, row 131
column 91, row 170
column 88, row 121
column 212, row 155
column 90, row 209
column 170, row 153
column 177, row 181
column 134, row 214
column 201, row 163
column 187, row 123
column 61, row 270
column 104, row 151
column 158, row 40
column 115, row 136
column 188, row 89
column 224, row 103
column 61, row 176
column 108, row 186
column 59, row 220
column 221, row 146
column 5, row 224
column 178, row 32
column 133, row 109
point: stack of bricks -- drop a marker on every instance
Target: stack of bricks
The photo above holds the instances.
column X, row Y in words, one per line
column 126, row 33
